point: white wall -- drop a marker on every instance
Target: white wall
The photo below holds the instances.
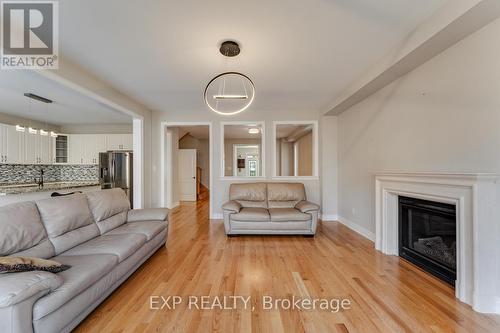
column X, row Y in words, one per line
column 444, row 116
column 329, row 167
column 15, row 120
column 220, row 187
column 305, row 152
column 97, row 128
column 172, row 169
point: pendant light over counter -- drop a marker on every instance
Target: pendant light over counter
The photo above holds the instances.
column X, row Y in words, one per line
column 231, row 92
column 32, row 130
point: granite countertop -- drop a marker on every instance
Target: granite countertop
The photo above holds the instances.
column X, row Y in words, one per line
column 52, row 186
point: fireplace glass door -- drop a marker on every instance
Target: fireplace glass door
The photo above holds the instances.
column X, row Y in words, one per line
column 427, row 236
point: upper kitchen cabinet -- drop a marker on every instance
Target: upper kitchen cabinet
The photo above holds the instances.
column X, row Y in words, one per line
column 119, row 142
column 12, row 145
column 34, row 148
column 85, row 148
column 61, row 149
column 76, row 148
column 38, row 148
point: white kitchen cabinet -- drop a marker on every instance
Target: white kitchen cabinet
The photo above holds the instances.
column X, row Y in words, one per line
column 37, row 148
column 119, row 142
column 4, row 142
column 45, row 151
column 76, row 149
column 15, row 150
column 98, row 147
column 60, row 149
column 26, row 148
column 127, row 142
column 85, row 148
column 32, row 147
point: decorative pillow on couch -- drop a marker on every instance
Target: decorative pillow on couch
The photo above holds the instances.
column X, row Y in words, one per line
column 25, row 264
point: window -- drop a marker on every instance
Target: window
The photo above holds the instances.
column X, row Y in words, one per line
column 243, row 149
column 295, row 149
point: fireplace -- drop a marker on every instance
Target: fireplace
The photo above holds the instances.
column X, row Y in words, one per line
column 428, row 236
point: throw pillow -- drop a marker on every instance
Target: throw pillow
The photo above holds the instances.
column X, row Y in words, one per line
column 25, row 264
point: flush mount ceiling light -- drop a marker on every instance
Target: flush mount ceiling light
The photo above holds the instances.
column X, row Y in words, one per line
column 253, row 131
column 229, row 93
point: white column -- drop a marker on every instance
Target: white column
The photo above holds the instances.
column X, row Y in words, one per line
column 138, row 147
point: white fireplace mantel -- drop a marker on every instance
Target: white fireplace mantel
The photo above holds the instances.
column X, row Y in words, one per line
column 478, row 226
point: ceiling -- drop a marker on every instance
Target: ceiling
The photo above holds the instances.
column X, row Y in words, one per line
column 68, row 107
column 300, row 54
column 285, row 130
column 240, row 132
column 200, row 132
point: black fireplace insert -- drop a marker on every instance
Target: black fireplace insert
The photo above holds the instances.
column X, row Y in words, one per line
column 428, row 236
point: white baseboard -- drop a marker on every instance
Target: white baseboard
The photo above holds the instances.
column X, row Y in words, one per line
column 175, row 204
column 328, row 217
column 357, row 228
column 217, row 216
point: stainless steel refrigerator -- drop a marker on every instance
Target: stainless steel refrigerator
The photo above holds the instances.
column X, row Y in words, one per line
column 116, row 171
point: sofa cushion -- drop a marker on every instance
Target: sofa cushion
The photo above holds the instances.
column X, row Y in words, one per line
column 258, row 228
column 249, row 194
column 306, row 206
column 68, row 221
column 85, row 271
column 147, row 214
column 109, row 208
column 121, row 246
column 285, row 195
column 232, row 206
column 287, row 215
column 22, row 230
column 251, row 214
column 146, row 228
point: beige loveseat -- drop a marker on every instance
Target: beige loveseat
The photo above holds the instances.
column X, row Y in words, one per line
column 269, row 208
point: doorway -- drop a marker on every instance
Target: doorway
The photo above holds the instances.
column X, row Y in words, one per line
column 186, row 163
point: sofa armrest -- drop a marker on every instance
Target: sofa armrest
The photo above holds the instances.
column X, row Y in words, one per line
column 232, row 206
column 18, row 287
column 306, row 206
column 148, row 214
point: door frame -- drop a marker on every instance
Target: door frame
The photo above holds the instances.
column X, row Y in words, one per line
column 165, row 187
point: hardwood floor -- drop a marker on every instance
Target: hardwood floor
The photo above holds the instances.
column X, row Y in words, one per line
column 387, row 294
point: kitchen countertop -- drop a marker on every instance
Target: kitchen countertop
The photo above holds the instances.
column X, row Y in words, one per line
column 52, row 186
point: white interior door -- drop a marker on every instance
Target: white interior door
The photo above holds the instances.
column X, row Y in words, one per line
column 187, row 174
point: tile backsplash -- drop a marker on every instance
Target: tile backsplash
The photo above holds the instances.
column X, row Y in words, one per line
column 25, row 173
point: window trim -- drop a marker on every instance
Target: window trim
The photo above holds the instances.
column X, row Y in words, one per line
column 314, row 123
column 262, row 125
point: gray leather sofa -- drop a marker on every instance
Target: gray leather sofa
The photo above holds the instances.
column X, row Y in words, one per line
column 269, row 208
column 97, row 234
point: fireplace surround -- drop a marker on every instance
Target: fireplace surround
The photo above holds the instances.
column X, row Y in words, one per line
column 477, row 225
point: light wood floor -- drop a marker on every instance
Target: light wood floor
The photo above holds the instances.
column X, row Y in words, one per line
column 388, row 294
